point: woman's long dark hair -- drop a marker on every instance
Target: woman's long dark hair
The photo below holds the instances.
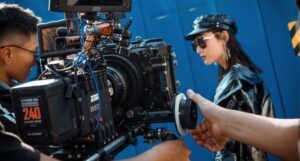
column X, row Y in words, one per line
column 237, row 56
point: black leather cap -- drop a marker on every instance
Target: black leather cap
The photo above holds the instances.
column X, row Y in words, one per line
column 212, row 21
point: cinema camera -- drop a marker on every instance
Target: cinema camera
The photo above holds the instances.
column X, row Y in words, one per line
column 97, row 90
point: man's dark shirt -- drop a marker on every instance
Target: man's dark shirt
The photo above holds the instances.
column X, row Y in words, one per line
column 13, row 149
column 11, row 146
column 7, row 116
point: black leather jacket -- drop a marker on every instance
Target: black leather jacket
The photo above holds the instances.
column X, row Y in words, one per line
column 242, row 89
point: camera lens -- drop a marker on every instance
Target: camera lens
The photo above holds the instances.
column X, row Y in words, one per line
column 118, row 82
column 125, row 80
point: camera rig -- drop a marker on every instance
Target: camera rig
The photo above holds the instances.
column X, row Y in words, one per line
column 97, row 90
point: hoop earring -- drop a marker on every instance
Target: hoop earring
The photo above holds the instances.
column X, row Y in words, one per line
column 227, row 55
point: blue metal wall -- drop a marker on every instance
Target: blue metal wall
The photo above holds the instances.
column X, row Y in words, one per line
column 262, row 32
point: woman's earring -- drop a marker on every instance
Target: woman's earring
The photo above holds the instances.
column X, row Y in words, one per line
column 227, row 54
column 9, row 64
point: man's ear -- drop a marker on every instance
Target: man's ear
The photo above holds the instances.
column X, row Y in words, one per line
column 5, row 55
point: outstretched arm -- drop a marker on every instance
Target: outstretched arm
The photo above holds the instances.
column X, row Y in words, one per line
column 166, row 151
column 277, row 136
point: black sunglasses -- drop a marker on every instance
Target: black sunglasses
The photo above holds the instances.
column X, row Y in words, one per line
column 200, row 41
column 16, row 46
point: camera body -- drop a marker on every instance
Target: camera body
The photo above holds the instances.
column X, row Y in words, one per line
column 142, row 81
column 109, row 92
column 56, row 110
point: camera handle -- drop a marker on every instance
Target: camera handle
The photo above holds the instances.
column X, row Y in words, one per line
column 159, row 134
column 107, row 152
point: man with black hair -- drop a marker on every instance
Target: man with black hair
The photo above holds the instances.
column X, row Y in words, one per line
column 17, row 54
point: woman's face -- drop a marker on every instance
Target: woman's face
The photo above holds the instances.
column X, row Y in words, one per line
column 213, row 49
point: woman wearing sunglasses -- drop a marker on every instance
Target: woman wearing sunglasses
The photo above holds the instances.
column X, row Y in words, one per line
column 240, row 87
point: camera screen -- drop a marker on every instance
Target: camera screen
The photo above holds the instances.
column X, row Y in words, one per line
column 55, row 40
column 95, row 2
column 90, row 5
column 48, row 39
